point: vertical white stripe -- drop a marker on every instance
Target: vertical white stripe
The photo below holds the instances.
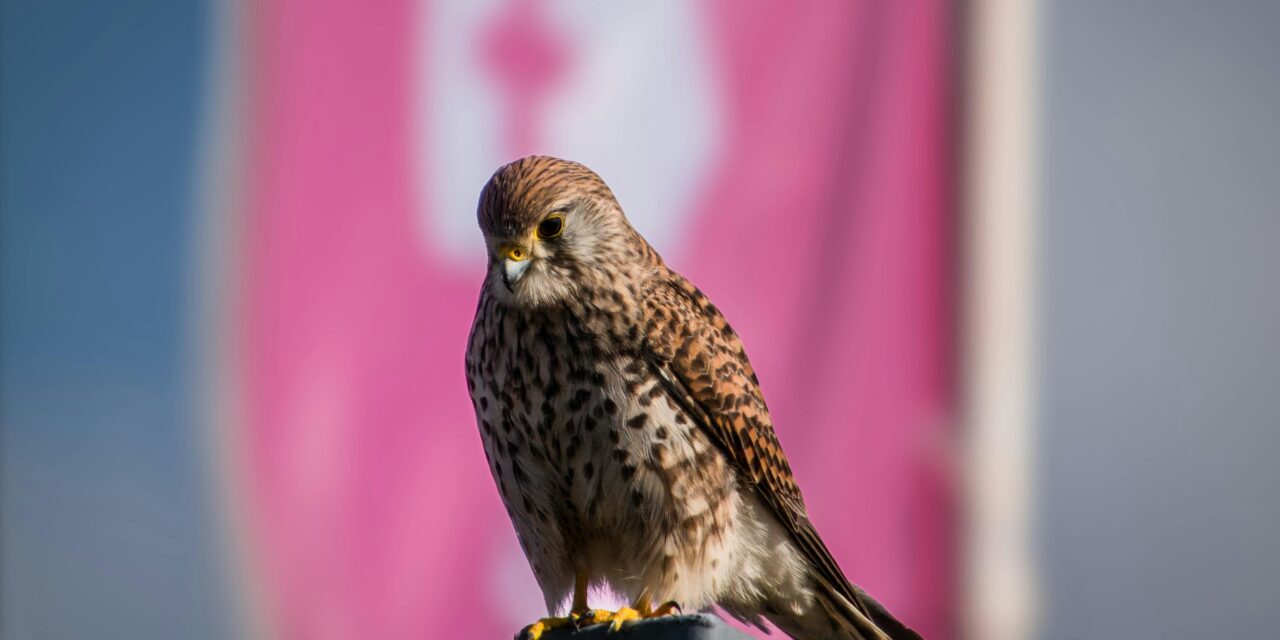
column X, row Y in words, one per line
column 637, row 103
column 1000, row 595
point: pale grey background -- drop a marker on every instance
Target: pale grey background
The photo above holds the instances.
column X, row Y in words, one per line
column 1161, row 309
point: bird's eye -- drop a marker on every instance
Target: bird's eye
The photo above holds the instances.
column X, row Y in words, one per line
column 551, row 226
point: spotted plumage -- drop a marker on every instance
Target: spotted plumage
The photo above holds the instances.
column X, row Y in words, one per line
column 624, row 425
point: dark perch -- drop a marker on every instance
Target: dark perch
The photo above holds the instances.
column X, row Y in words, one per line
column 697, row 626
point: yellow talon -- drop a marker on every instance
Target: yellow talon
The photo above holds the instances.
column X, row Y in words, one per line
column 594, row 616
column 670, row 608
column 624, row 614
column 588, row 617
column 535, row 630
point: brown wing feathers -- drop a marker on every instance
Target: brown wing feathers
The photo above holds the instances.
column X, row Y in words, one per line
column 703, row 366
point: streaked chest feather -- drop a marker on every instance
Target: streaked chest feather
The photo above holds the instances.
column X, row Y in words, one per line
column 583, row 441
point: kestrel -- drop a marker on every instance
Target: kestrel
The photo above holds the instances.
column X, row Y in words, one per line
column 626, row 430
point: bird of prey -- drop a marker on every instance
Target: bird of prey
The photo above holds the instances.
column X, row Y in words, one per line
column 625, row 428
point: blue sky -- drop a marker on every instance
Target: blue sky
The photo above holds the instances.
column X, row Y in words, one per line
column 106, row 527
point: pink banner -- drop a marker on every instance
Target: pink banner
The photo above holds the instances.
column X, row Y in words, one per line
column 816, row 215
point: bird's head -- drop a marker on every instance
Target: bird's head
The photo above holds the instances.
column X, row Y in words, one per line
column 551, row 226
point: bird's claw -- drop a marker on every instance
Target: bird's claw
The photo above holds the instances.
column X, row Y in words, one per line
column 535, row 630
column 588, row 617
column 622, row 615
column 643, row 612
column 669, row 608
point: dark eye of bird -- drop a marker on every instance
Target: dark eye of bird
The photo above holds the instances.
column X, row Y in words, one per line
column 551, row 227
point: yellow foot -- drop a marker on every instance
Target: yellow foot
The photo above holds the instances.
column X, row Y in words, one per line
column 591, row 616
column 622, row 615
column 588, row 617
column 640, row 613
column 535, row 630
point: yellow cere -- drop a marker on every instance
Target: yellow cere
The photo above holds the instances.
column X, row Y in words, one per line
column 513, row 252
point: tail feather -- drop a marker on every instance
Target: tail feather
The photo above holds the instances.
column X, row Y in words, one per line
column 835, row 617
column 890, row 625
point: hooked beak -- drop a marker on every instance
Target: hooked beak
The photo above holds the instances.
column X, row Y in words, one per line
column 515, row 259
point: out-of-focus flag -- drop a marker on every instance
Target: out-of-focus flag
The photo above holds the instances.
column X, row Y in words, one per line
column 791, row 159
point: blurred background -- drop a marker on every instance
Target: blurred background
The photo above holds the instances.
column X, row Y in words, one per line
column 1006, row 271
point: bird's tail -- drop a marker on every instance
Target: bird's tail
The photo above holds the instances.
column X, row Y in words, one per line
column 834, row 616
